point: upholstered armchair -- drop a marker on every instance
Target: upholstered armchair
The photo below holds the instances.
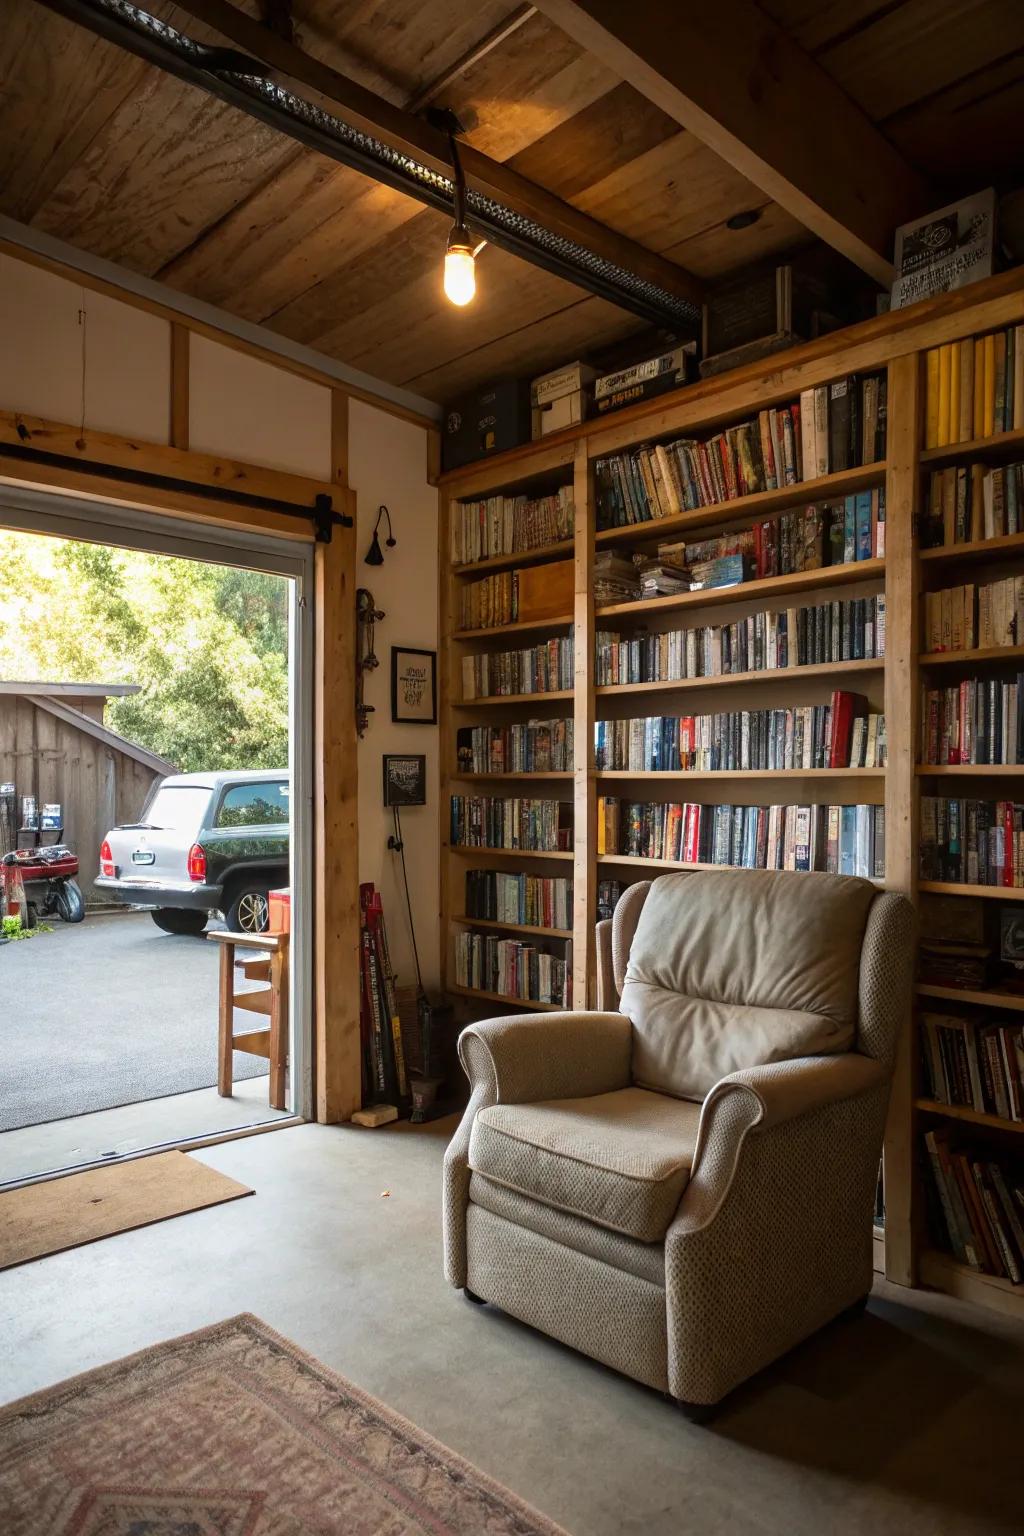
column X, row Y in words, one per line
column 680, row 1184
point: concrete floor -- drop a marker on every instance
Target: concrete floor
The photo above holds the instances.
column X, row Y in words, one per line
column 904, row 1422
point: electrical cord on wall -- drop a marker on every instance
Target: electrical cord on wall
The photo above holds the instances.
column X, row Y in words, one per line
column 398, row 844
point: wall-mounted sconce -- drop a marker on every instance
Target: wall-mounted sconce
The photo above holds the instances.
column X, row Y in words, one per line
column 375, row 555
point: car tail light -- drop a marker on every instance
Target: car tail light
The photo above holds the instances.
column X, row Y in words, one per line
column 197, row 862
column 106, row 860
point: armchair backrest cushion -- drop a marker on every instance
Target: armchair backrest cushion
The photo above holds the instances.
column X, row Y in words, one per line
column 733, row 969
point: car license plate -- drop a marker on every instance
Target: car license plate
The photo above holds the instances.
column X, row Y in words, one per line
column 143, row 856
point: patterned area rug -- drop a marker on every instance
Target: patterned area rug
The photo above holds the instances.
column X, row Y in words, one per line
column 234, row 1431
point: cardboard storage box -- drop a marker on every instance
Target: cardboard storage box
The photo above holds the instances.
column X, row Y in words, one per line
column 559, row 399
column 490, row 420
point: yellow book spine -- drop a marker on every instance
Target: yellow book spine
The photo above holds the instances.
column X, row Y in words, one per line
column 931, row 399
column 989, row 418
column 945, row 361
column 979, row 387
column 966, row 390
column 954, row 393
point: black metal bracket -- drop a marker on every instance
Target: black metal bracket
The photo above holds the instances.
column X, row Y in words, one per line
column 326, row 519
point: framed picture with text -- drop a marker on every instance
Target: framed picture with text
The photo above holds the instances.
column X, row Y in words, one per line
column 405, row 779
column 413, row 686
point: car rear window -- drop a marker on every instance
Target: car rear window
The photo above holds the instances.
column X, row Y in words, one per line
column 254, row 805
column 178, row 807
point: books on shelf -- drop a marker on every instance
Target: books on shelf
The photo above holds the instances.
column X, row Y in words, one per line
column 538, row 746
column 504, row 525
column 826, row 533
column 833, row 427
column 840, row 839
column 616, row 578
column 977, row 1206
column 976, row 721
column 489, row 821
column 608, row 893
column 485, row 962
column 849, row 630
column 972, row 842
column 528, row 901
column 543, row 668
column 840, row 734
column 970, row 617
column 974, row 388
column 490, row 602
column 974, row 1060
column 970, row 502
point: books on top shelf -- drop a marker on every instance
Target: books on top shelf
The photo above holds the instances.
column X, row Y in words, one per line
column 840, row 734
column 488, row 821
column 971, row 617
column 538, row 746
column 840, row 839
column 504, row 525
column 848, row 630
column 528, row 901
column 485, row 962
column 974, row 388
column 543, row 668
column 974, row 1060
column 976, row 721
column 969, row 502
column 972, row 842
column 977, row 1204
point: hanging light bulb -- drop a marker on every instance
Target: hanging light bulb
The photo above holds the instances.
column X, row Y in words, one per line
column 459, row 267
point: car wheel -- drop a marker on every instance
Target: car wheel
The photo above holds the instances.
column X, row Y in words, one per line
column 180, row 920
column 249, row 911
column 69, row 903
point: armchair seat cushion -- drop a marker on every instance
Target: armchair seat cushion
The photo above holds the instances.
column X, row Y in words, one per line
column 621, row 1159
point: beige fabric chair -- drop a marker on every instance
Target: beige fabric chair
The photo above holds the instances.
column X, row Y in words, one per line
column 681, row 1183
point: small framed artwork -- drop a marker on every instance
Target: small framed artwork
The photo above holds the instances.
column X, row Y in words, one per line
column 413, row 686
column 405, row 779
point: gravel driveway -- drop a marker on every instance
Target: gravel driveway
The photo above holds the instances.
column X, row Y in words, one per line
column 109, row 1011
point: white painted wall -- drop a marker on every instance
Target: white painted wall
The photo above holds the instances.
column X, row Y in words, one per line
column 243, row 408
column 388, row 463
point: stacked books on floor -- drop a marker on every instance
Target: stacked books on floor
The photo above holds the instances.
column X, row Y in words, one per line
column 384, row 1078
column 542, row 668
column 831, row 428
column 490, row 602
column 978, row 1204
column 973, row 617
column 840, row 839
column 972, row 842
column 974, row 1061
column 487, row 821
column 968, row 502
column 503, row 525
column 528, row 901
column 849, row 630
column 841, row 734
column 827, row 533
column 486, row 963
column 974, row 388
column 538, row 746
column 976, row 721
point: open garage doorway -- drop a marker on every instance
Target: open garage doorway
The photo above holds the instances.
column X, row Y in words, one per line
column 155, row 795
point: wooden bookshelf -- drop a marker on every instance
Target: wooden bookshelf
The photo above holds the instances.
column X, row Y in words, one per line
column 478, row 995
column 539, row 555
column 698, row 775
column 966, row 770
column 990, row 998
column 528, row 928
column 518, row 777
column 942, row 1272
column 897, row 343
column 963, row 1112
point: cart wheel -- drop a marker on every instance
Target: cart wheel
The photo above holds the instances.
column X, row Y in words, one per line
column 68, row 898
column 29, row 915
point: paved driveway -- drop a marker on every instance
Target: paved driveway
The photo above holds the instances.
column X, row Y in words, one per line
column 109, row 1011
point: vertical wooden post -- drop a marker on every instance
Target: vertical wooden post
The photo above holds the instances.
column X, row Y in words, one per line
column 902, row 643
column 278, row 1042
column 452, row 895
column 226, row 1022
column 180, row 340
column 339, row 437
column 584, row 870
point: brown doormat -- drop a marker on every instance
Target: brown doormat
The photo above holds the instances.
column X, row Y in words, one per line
column 83, row 1207
column 235, row 1431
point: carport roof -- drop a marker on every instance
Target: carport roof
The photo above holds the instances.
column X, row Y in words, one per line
column 73, row 690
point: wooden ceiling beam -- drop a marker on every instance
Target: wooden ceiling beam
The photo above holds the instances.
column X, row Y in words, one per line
column 411, row 135
column 735, row 79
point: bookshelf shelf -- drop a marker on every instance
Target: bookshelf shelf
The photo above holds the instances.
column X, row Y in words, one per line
column 828, row 669
column 520, row 627
column 517, row 777
column 464, row 852
column 749, row 508
column 1012, row 1001
column 998, row 446
column 771, row 587
column 499, row 997
column 496, row 700
column 966, row 770
column 540, row 555
column 968, row 658
column 529, row 928
column 991, row 892
column 976, row 550
column 943, row 1273
column 962, row 1112
column 688, row 775
column 635, row 861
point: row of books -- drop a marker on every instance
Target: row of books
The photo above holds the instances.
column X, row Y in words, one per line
column 975, row 721
column 543, row 668
column 538, row 746
column 831, row 428
column 840, row 734
column 608, row 893
column 972, row 842
column 972, row 1062
column 973, row 617
column 974, row 387
column 489, row 821
column 490, row 602
column 771, row 640
column 502, row 525
column 840, row 839
column 529, row 901
column 513, row 968
column 969, row 502
column 978, row 1205
column 825, row 533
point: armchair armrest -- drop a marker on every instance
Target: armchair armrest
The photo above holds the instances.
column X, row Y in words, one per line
column 536, row 1056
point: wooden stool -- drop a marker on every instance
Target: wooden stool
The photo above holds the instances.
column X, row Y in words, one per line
column 270, row 1043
